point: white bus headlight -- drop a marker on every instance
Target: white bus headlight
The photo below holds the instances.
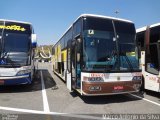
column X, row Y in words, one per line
column 137, row 78
column 93, row 79
column 22, row 72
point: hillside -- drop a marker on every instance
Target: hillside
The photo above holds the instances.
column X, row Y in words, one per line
column 43, row 51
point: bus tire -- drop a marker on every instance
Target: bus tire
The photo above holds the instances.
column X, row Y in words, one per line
column 34, row 73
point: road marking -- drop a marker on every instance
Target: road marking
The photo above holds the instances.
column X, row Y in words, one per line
column 145, row 99
column 26, row 110
column 50, row 113
column 44, row 95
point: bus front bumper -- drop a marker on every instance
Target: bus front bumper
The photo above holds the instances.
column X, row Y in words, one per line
column 15, row 80
column 109, row 88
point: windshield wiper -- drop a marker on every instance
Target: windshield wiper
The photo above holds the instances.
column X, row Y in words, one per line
column 117, row 45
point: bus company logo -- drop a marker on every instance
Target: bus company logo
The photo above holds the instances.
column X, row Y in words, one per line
column 97, row 75
column 13, row 27
column 153, row 78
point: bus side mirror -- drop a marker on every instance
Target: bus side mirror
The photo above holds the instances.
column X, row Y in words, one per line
column 139, row 50
column 34, row 40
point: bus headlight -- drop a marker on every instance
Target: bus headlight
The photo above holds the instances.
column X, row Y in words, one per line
column 137, row 78
column 22, row 72
column 93, row 79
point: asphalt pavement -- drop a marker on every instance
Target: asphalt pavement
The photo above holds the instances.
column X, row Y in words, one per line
column 48, row 96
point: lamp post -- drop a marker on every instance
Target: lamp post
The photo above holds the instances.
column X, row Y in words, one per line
column 116, row 12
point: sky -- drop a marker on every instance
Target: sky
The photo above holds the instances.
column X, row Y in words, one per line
column 51, row 18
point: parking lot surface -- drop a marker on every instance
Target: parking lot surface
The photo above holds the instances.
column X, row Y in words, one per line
column 49, row 95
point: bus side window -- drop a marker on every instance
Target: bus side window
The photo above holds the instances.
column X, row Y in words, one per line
column 152, row 60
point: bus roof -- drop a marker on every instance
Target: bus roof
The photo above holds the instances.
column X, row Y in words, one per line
column 144, row 28
column 102, row 16
column 15, row 21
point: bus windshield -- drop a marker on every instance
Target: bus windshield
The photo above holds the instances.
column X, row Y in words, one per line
column 15, row 44
column 101, row 52
column 16, row 49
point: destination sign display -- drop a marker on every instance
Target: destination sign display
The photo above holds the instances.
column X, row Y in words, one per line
column 15, row 27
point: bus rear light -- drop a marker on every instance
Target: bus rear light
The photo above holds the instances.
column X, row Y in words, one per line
column 1, row 82
column 94, row 88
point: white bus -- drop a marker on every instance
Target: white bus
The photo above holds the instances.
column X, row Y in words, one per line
column 149, row 40
column 98, row 55
column 17, row 43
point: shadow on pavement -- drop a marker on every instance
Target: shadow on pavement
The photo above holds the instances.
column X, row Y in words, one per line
column 152, row 93
column 120, row 98
column 35, row 86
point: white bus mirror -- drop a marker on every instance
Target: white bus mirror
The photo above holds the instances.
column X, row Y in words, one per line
column 34, row 40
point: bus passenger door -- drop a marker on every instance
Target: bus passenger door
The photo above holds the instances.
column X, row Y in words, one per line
column 75, row 63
